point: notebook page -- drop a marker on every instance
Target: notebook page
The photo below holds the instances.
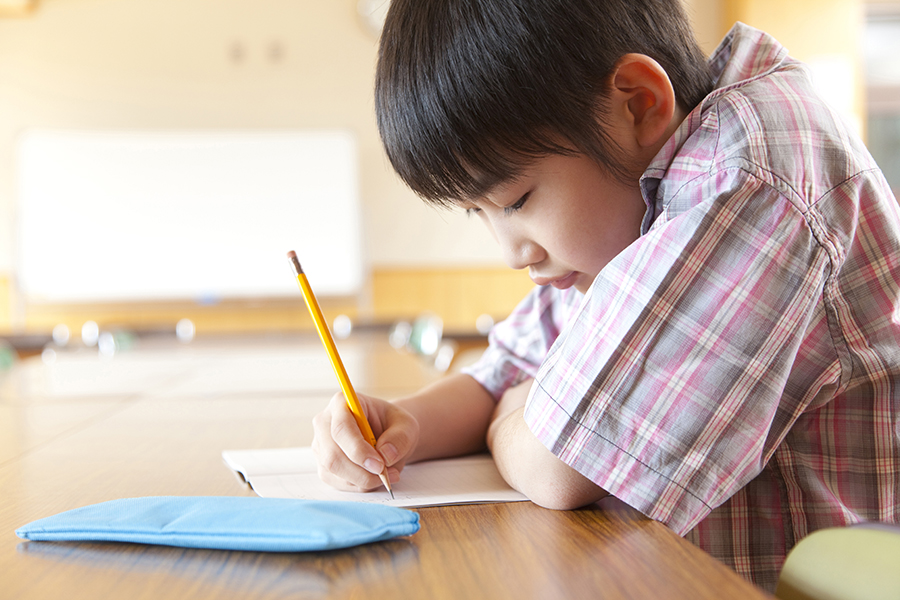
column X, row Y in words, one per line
column 291, row 473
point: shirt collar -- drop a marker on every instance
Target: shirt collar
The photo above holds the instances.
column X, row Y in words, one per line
column 743, row 55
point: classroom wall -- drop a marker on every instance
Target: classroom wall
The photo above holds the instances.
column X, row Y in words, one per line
column 246, row 64
column 224, row 64
column 203, row 64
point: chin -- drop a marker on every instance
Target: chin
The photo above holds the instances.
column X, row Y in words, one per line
column 584, row 283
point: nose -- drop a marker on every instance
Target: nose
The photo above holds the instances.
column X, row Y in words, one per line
column 519, row 250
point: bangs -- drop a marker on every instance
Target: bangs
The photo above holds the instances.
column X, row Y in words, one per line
column 446, row 164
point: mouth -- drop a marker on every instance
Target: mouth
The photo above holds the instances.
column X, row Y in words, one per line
column 560, row 283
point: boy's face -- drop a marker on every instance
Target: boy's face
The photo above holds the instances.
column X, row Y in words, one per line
column 563, row 219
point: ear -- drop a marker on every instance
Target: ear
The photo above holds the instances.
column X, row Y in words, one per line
column 644, row 98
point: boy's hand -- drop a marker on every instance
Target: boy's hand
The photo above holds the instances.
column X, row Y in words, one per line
column 346, row 460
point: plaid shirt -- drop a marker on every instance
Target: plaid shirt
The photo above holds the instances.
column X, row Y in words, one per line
column 735, row 372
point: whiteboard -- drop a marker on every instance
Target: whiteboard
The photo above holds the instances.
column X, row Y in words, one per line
column 204, row 216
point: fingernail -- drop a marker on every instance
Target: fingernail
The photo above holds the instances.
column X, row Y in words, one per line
column 373, row 466
column 389, row 452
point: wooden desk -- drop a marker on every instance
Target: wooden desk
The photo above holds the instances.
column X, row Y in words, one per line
column 154, row 422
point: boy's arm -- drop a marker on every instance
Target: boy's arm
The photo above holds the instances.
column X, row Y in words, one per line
column 528, row 466
column 453, row 415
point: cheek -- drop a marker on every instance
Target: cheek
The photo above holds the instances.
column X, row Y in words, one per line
column 594, row 237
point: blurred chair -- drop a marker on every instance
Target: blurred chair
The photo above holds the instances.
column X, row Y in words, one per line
column 425, row 337
column 8, row 355
column 859, row 562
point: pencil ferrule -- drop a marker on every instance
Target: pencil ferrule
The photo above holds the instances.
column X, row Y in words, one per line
column 295, row 263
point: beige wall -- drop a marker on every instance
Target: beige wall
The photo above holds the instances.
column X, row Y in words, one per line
column 706, row 17
column 170, row 64
column 214, row 64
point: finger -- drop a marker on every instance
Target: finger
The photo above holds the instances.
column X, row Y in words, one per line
column 338, row 471
column 358, row 480
column 346, row 434
column 343, row 454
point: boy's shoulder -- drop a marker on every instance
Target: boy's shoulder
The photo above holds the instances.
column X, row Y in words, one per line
column 779, row 127
column 766, row 120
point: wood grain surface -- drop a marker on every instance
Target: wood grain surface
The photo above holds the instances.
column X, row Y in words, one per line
column 161, row 431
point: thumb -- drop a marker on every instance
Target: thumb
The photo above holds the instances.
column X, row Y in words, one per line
column 399, row 439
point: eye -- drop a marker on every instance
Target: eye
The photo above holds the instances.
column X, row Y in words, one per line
column 472, row 211
column 519, row 204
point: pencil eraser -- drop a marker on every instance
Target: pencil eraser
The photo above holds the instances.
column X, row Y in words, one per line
column 292, row 254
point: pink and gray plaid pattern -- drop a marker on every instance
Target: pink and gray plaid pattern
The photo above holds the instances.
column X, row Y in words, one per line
column 735, row 373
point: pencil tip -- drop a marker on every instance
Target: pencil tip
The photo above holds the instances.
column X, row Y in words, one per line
column 387, row 482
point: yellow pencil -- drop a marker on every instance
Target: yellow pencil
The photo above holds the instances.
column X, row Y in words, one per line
column 336, row 362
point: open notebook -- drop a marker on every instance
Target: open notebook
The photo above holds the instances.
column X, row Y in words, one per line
column 291, row 473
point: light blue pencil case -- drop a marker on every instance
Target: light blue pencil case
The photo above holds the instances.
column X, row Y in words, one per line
column 227, row 523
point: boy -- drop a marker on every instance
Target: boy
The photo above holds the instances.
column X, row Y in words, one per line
column 714, row 335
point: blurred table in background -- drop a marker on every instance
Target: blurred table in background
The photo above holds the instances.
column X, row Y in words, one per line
column 154, row 421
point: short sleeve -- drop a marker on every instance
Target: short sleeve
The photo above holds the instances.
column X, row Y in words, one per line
column 518, row 345
column 667, row 388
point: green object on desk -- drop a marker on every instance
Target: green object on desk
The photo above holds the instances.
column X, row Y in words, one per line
column 860, row 562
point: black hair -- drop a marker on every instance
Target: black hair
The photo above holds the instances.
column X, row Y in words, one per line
column 467, row 92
